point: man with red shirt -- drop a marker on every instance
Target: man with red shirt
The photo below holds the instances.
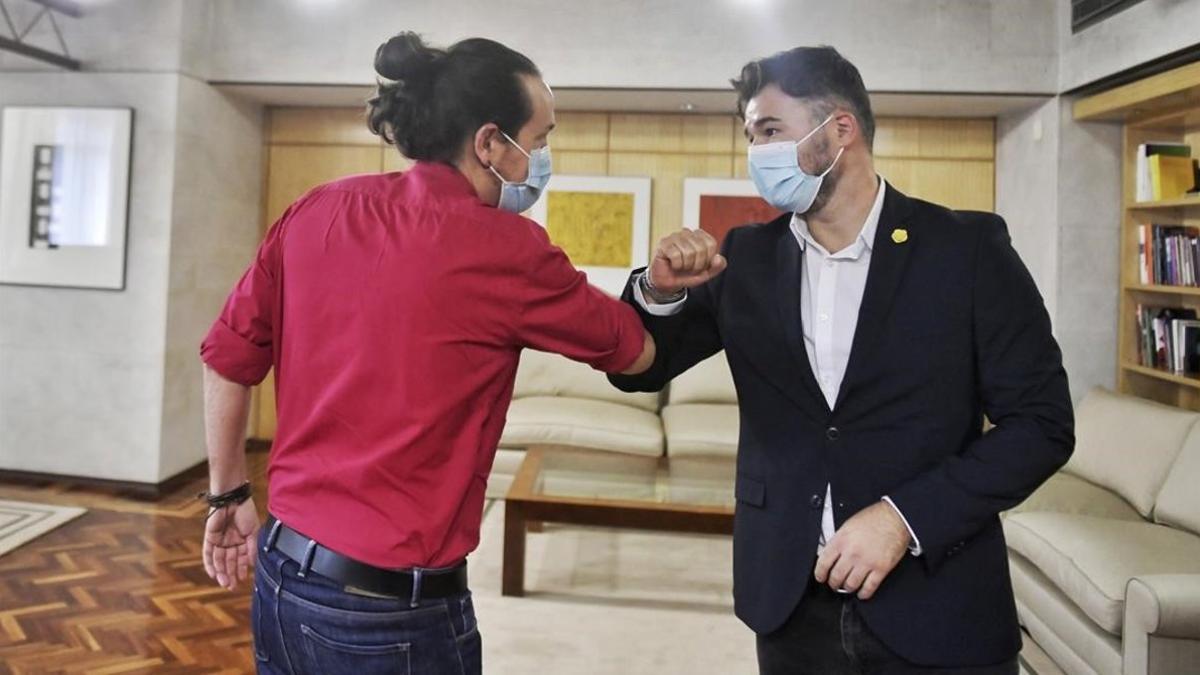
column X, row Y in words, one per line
column 394, row 309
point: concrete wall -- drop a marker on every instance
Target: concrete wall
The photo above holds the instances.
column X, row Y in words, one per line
column 1027, row 146
column 113, row 36
column 81, row 371
column 1089, row 219
column 1142, row 33
column 216, row 211
column 107, row 384
column 1058, row 186
column 899, row 45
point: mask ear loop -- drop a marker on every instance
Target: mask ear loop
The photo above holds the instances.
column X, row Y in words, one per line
column 809, row 134
column 519, row 149
column 516, row 145
column 835, row 161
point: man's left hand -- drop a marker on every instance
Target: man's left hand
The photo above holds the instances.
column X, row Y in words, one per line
column 230, row 549
column 864, row 551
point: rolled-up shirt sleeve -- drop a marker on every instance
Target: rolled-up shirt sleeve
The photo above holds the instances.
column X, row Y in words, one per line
column 240, row 344
column 560, row 312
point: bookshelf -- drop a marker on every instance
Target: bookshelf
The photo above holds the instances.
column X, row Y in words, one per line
column 1160, row 108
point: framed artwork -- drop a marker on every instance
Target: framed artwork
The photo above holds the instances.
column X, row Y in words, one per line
column 717, row 205
column 64, row 196
column 601, row 222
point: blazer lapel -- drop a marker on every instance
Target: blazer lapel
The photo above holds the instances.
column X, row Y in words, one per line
column 789, row 265
column 889, row 259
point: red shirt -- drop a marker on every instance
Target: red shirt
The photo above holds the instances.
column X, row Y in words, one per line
column 394, row 308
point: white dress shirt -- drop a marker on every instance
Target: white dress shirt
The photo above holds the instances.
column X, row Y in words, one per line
column 831, row 292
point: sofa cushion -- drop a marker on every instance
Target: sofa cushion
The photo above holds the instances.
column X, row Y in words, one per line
column 1179, row 501
column 1091, row 559
column 1127, row 444
column 701, row 430
column 706, row 382
column 582, row 423
column 1065, row 493
column 545, row 374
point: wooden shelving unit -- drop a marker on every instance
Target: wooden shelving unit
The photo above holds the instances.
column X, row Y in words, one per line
column 1161, row 108
column 1164, row 290
column 1184, row 203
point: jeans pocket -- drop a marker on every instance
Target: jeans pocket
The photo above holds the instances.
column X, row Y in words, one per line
column 468, row 624
column 467, row 639
column 332, row 656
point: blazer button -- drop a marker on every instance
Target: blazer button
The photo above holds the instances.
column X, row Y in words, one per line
column 832, row 433
column 817, row 501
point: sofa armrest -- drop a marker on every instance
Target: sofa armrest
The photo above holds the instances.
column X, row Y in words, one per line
column 1162, row 623
column 1164, row 604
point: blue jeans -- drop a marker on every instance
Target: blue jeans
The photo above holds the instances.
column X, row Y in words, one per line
column 312, row 626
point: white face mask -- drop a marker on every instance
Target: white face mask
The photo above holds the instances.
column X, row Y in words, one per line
column 517, row 197
column 775, row 170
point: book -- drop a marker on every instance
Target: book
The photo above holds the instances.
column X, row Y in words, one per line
column 1143, row 271
column 1191, row 347
column 1169, row 339
column 1185, row 339
column 1142, row 168
column 1170, row 177
column 1168, row 255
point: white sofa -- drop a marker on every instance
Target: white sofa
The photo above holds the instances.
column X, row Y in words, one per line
column 557, row 402
column 1105, row 557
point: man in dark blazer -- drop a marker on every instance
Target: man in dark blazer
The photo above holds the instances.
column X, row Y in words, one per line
column 868, row 334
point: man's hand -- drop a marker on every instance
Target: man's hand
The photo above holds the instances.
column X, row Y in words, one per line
column 230, row 543
column 685, row 259
column 864, row 551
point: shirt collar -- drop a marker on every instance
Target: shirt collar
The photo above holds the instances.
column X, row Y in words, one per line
column 866, row 235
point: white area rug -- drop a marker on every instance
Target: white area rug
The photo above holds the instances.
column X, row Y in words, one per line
column 617, row 602
column 22, row 522
column 610, row 601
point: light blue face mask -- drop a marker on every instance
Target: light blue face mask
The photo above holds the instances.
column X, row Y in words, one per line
column 518, row 197
column 775, row 170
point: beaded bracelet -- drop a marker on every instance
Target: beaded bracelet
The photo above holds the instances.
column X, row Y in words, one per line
column 216, row 502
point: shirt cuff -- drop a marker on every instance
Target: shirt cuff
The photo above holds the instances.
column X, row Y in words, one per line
column 915, row 547
column 235, row 357
column 668, row 309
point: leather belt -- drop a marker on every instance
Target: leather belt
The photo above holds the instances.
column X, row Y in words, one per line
column 414, row 584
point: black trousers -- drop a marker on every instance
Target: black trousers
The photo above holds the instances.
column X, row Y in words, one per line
column 827, row 636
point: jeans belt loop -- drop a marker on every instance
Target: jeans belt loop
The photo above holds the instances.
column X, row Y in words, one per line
column 415, row 601
column 306, row 564
column 272, row 536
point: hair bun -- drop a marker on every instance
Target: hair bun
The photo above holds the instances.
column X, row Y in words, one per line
column 404, row 57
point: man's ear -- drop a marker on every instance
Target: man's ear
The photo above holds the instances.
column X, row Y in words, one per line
column 847, row 126
column 485, row 143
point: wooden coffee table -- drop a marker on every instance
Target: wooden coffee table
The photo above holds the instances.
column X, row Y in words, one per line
column 583, row 487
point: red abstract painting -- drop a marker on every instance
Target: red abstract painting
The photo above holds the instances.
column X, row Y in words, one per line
column 721, row 213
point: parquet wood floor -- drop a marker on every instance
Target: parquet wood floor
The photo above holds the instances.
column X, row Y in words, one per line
column 122, row 588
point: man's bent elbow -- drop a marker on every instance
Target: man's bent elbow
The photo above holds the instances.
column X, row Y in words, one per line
column 645, row 359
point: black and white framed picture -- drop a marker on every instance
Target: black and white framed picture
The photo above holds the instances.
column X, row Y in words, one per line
column 64, row 196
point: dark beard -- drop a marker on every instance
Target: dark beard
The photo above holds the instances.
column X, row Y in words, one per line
column 828, row 186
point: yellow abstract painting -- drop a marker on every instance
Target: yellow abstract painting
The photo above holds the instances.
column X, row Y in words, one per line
column 593, row 228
